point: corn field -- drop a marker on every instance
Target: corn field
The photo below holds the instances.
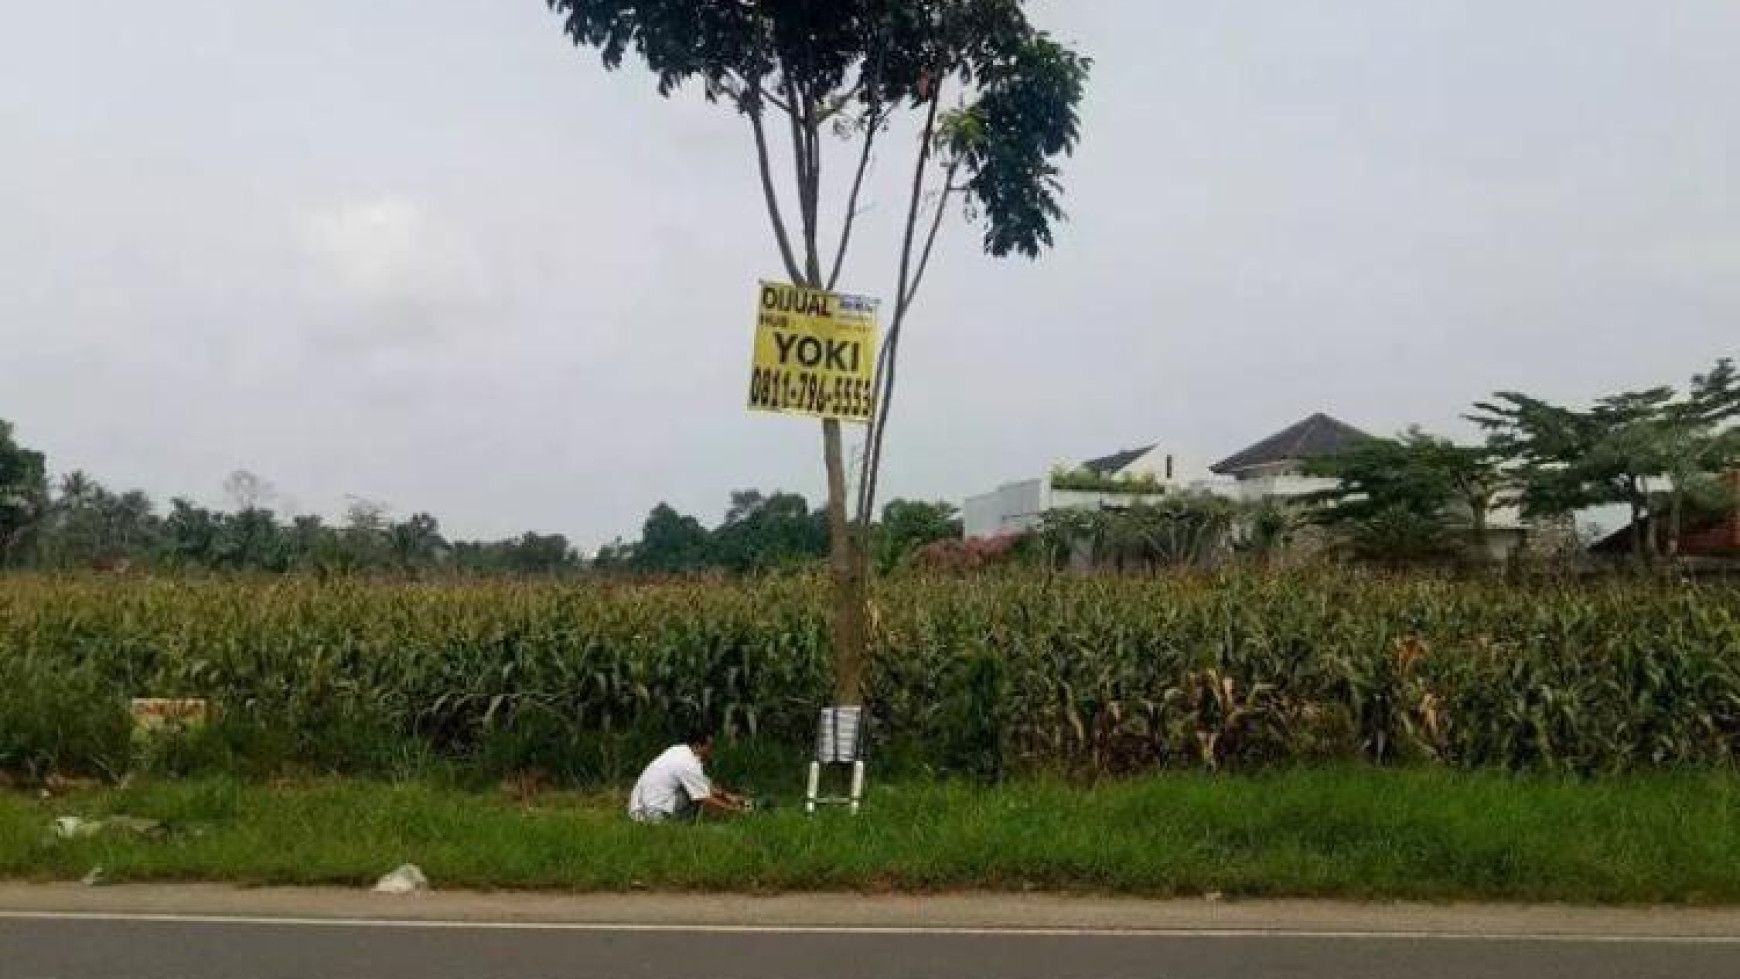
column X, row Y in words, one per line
column 1096, row 675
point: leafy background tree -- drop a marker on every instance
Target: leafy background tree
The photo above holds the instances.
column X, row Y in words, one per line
column 1413, row 497
column 417, row 543
column 766, row 533
column 529, row 554
column 1700, row 442
column 1650, row 451
column 769, row 532
column 671, row 543
column 995, row 102
column 23, row 490
column 908, row 525
column 82, row 524
column 88, row 525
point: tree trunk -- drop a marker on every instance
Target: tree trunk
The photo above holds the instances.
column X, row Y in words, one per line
column 1676, row 514
column 848, row 626
column 1651, row 539
column 848, row 534
column 1642, row 522
column 849, row 633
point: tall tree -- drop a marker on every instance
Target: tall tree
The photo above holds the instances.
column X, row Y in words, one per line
column 536, row 553
column 247, row 491
column 190, row 534
column 995, row 103
column 1405, row 497
column 310, row 543
column 416, row 544
column 762, row 533
column 251, row 539
column 1568, row 460
column 86, row 525
column 1699, row 442
column 908, row 525
column 671, row 543
column 23, row 491
column 1620, row 450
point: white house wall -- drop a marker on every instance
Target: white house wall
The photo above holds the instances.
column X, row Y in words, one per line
column 1007, row 509
column 1089, row 500
column 1186, row 466
column 1282, row 486
column 1020, row 506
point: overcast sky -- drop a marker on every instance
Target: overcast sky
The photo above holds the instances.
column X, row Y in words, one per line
column 425, row 252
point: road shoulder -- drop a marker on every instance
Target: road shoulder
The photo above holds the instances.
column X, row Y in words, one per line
column 855, row 912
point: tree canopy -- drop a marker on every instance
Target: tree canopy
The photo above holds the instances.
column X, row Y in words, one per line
column 1649, row 450
column 770, row 532
column 766, row 533
column 1407, row 497
column 848, row 67
column 851, row 62
column 908, row 525
column 23, row 489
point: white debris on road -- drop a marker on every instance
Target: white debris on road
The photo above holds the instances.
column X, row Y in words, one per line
column 408, row 879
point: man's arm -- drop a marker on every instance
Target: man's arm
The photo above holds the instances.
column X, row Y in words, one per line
column 702, row 792
column 721, row 801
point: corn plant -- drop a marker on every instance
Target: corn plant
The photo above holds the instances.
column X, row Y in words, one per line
column 1098, row 674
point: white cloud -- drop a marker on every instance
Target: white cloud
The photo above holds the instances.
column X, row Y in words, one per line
column 388, row 269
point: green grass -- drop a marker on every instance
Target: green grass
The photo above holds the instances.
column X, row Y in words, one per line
column 1348, row 833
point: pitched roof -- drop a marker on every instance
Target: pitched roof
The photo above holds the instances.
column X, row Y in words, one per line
column 1313, row 438
column 1107, row 465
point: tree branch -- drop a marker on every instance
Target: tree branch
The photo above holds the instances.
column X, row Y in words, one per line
column 812, row 190
column 869, row 80
column 803, row 158
column 775, row 100
column 844, row 99
column 752, row 88
column 942, row 204
column 874, row 123
column 753, row 110
column 887, row 360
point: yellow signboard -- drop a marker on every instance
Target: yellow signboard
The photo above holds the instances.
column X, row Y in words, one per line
column 815, row 353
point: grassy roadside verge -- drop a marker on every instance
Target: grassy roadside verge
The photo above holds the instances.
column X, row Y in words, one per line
column 1350, row 833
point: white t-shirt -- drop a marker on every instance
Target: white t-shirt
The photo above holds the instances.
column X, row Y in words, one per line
column 670, row 786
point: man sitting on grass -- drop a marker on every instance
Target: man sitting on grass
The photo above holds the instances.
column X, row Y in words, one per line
column 675, row 785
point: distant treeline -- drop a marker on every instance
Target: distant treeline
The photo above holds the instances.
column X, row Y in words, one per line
column 768, row 532
column 75, row 523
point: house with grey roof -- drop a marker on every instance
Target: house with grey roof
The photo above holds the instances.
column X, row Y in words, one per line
column 1273, row 468
column 1277, row 467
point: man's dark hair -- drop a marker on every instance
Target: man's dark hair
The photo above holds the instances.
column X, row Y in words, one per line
column 698, row 733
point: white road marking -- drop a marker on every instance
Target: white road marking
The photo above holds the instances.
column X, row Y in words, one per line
column 918, row 930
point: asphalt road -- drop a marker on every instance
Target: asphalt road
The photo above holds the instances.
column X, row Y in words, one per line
column 57, row 946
